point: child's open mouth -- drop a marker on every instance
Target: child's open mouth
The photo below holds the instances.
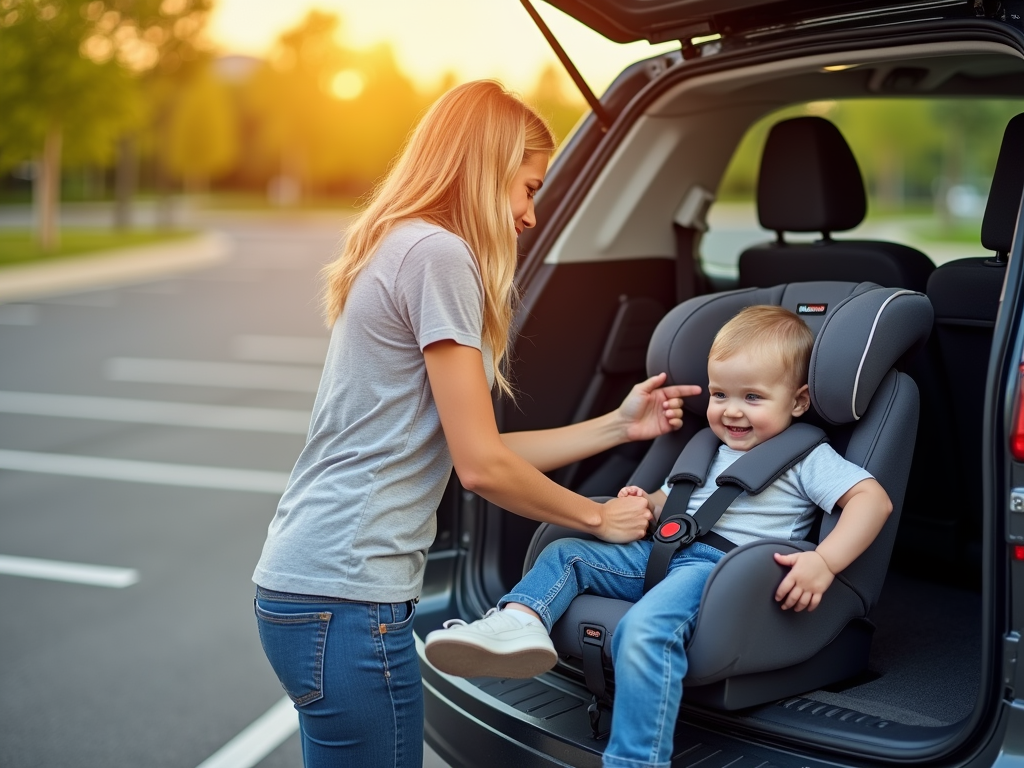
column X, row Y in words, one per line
column 739, row 431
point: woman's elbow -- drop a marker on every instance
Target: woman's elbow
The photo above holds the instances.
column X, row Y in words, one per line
column 478, row 475
column 471, row 480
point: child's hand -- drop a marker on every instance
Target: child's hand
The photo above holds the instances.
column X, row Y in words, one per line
column 808, row 578
column 632, row 490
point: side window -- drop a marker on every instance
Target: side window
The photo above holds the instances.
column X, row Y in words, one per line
column 927, row 165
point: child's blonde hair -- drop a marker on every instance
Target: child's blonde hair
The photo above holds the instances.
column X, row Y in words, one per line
column 775, row 331
column 455, row 171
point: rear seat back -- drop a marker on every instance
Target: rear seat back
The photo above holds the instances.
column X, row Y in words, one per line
column 810, row 182
column 965, row 295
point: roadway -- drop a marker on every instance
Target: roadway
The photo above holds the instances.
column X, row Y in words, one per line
column 146, row 432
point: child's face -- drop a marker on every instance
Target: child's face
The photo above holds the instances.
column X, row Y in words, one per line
column 528, row 180
column 751, row 400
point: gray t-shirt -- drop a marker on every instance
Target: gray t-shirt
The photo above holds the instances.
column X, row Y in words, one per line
column 786, row 508
column 358, row 514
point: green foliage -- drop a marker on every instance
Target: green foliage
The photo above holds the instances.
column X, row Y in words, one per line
column 202, row 134
column 75, row 65
column 326, row 113
column 18, row 246
column 47, row 83
column 555, row 97
column 908, row 149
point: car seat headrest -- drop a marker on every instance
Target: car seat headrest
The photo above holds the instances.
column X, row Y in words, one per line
column 860, row 331
column 1007, row 184
column 809, row 179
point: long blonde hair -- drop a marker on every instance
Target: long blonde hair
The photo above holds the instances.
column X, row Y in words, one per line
column 455, row 171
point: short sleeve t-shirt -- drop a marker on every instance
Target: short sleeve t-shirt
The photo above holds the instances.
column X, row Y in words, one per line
column 786, row 508
column 358, row 514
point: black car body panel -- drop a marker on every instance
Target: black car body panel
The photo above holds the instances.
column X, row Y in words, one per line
column 571, row 295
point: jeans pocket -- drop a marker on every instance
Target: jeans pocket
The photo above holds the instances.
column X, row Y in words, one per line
column 401, row 615
column 294, row 644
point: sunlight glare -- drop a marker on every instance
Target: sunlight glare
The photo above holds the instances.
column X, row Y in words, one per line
column 347, row 85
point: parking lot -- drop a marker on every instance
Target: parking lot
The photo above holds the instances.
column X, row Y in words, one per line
column 146, row 432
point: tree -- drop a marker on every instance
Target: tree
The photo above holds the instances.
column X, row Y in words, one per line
column 68, row 80
column 549, row 98
column 328, row 115
column 296, row 112
column 54, row 78
column 202, row 133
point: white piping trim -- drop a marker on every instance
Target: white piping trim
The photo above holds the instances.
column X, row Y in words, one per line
column 867, row 347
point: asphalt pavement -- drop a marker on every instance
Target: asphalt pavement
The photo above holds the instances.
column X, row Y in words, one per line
column 147, row 426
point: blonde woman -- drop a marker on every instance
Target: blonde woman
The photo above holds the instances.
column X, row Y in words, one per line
column 420, row 300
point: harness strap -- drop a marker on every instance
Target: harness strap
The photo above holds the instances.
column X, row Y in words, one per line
column 753, row 472
column 676, row 531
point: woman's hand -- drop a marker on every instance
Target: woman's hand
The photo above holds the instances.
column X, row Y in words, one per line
column 650, row 410
column 624, row 519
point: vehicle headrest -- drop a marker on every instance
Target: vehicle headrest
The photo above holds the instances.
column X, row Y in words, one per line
column 860, row 331
column 1007, row 184
column 809, row 179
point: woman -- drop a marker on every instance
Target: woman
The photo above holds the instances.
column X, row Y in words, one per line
column 421, row 303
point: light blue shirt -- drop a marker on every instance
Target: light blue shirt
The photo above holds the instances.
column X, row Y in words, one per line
column 785, row 509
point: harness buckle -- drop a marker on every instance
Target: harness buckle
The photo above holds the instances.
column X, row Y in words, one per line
column 678, row 529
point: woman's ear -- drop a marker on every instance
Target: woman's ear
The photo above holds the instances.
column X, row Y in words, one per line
column 801, row 401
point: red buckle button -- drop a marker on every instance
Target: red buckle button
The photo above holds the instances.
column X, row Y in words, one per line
column 670, row 529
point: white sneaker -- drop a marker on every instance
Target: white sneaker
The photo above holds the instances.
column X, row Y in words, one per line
column 494, row 646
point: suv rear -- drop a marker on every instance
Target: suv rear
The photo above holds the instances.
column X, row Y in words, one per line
column 628, row 214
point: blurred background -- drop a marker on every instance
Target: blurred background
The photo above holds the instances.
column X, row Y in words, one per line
column 145, row 109
column 133, row 113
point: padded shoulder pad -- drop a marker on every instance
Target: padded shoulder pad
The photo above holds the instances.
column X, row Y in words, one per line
column 860, row 340
column 695, row 459
column 763, row 464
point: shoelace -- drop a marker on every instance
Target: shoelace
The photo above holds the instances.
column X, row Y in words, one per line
column 460, row 623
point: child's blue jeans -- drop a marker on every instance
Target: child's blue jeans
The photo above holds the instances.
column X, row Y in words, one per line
column 649, row 645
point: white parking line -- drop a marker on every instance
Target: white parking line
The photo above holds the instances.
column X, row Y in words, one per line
column 78, row 573
column 281, row 349
column 286, row 378
column 188, row 475
column 258, row 740
column 156, row 412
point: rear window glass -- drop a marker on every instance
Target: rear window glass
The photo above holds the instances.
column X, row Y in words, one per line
column 927, row 166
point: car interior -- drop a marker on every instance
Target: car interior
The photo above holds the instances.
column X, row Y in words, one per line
column 629, row 250
column 731, row 667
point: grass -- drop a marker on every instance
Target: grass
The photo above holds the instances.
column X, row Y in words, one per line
column 18, row 246
column 968, row 232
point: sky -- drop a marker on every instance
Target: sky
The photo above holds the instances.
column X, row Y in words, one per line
column 471, row 38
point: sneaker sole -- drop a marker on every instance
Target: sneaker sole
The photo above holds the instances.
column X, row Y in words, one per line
column 468, row 660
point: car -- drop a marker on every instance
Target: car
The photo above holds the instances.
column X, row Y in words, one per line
column 630, row 226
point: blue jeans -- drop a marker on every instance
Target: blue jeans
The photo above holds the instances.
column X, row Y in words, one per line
column 649, row 645
column 352, row 671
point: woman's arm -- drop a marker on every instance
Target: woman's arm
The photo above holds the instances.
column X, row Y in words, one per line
column 487, row 466
column 648, row 411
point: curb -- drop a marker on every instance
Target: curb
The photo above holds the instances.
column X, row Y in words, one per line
column 108, row 269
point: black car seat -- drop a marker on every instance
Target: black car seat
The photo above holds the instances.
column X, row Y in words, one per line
column 965, row 295
column 745, row 650
column 810, row 182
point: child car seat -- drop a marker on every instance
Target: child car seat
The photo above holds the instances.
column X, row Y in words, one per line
column 745, row 650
